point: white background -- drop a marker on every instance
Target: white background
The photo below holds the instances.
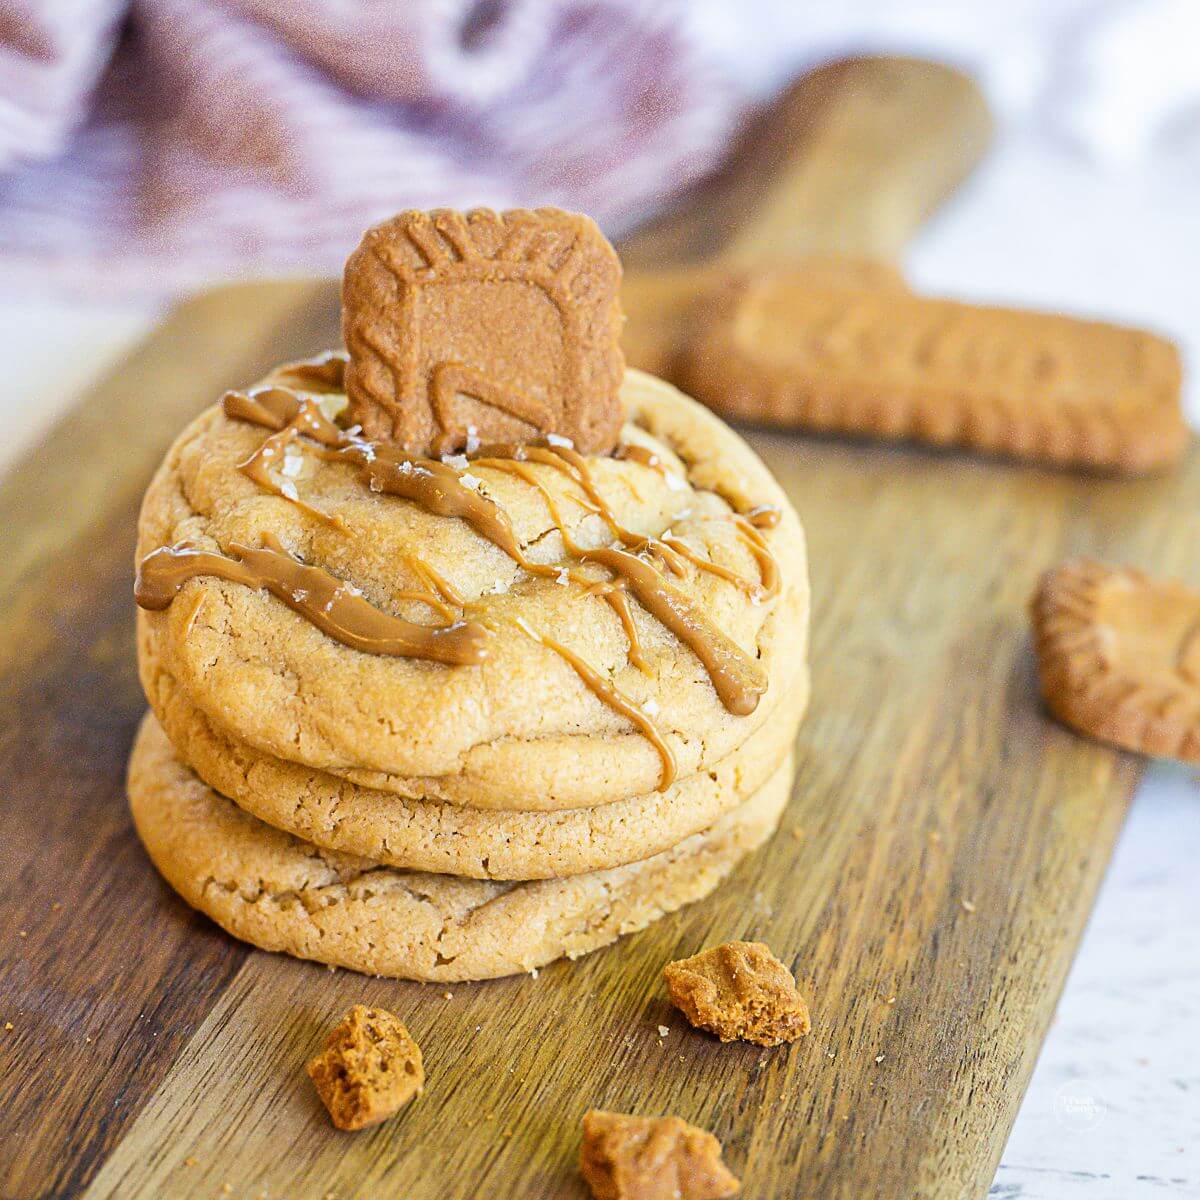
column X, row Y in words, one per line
column 1089, row 203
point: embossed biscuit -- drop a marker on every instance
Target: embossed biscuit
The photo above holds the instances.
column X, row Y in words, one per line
column 279, row 893
column 782, row 350
column 500, row 327
column 1119, row 656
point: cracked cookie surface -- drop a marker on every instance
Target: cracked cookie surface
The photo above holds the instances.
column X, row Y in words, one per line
column 279, row 893
column 427, row 835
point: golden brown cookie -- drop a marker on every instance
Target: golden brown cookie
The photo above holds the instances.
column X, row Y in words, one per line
column 279, row 893
column 484, row 327
column 739, row 990
column 780, row 349
column 369, row 1069
column 661, row 306
column 523, row 729
column 651, row 1158
column 452, row 839
column 1119, row 656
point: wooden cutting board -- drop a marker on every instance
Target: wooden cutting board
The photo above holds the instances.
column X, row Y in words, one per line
column 929, row 883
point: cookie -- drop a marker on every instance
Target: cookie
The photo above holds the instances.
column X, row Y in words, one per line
column 451, row 839
column 584, row 696
column 368, row 1070
column 484, row 326
column 1119, row 657
column 739, row 991
column 661, row 306
column 269, row 888
column 651, row 1158
column 784, row 351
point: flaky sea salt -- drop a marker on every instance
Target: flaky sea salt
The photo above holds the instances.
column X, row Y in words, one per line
column 470, row 481
column 557, row 439
column 457, row 461
column 651, row 707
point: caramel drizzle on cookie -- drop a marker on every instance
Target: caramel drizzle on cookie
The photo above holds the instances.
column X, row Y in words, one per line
column 438, row 488
column 335, row 607
column 638, row 564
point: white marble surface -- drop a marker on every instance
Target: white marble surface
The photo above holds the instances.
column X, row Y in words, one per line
column 1113, row 1112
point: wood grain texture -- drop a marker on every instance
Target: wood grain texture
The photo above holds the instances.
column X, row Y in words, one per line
column 929, row 776
column 851, row 160
column 930, row 882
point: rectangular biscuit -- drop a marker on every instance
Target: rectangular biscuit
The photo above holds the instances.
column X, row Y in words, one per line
column 784, row 350
column 485, row 326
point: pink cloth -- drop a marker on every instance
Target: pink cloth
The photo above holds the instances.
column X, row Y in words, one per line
column 153, row 144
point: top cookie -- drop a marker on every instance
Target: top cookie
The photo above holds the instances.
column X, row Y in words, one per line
column 640, row 620
column 476, row 327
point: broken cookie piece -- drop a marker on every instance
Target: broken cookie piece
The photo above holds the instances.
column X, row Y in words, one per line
column 651, row 1158
column 1119, row 656
column 739, row 990
column 484, row 327
column 370, row 1068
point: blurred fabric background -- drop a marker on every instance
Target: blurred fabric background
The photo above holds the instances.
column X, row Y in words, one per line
column 147, row 145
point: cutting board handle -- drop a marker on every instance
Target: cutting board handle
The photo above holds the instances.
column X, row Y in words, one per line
column 851, row 159
column 865, row 150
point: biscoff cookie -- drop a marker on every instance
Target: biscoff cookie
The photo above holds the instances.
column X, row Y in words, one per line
column 424, row 835
column 779, row 349
column 368, row 1069
column 279, row 893
column 484, row 326
column 1119, row 656
column 528, row 674
column 739, row 991
column 626, row 1157
column 661, row 306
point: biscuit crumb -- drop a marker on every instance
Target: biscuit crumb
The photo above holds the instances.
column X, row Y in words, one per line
column 447, row 995
column 648, row 1158
column 8, row 1025
column 227, row 1188
column 739, row 990
column 968, row 905
column 22, row 932
column 663, row 1030
column 369, row 1069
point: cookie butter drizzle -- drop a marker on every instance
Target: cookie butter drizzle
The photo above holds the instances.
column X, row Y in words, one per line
column 334, row 607
column 637, row 564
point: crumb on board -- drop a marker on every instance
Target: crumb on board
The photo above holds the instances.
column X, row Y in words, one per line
column 739, row 990
column 968, row 905
column 663, row 1030
column 369, row 1069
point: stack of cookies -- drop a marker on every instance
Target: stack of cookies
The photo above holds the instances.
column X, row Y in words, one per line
column 466, row 650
